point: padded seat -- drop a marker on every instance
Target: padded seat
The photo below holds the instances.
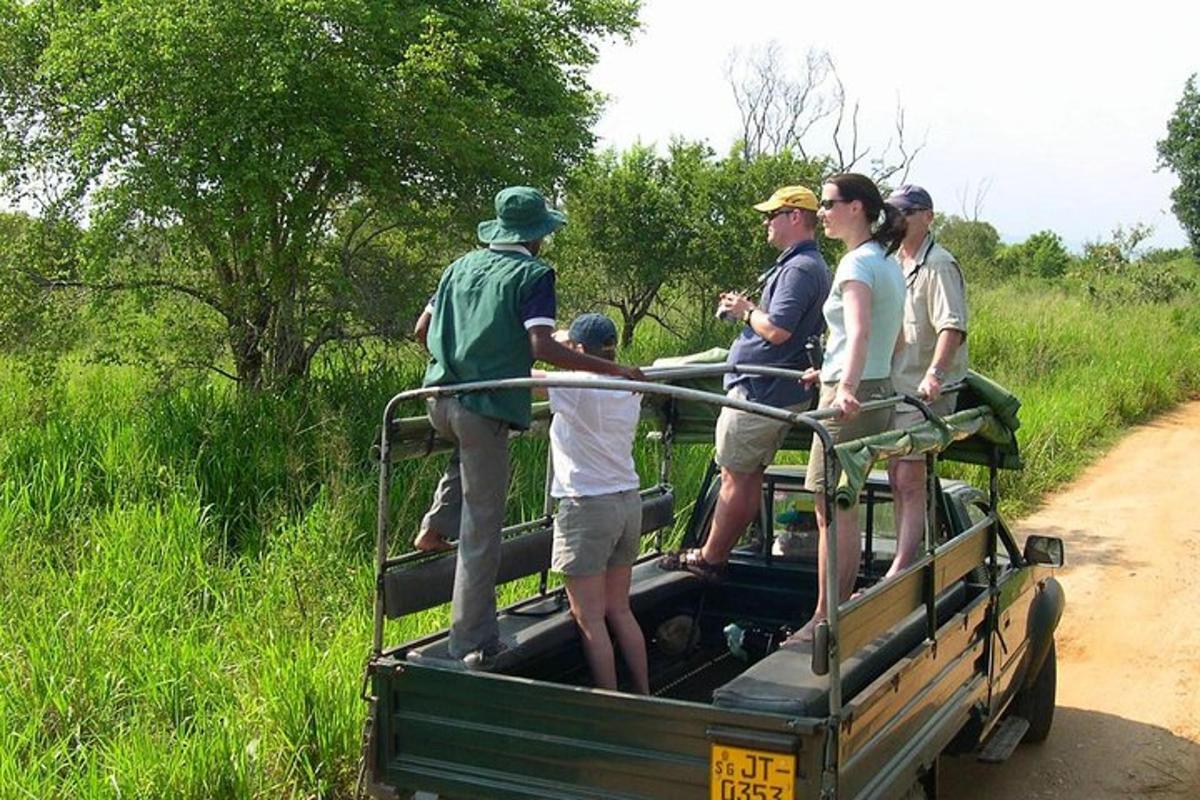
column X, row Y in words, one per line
column 784, row 683
column 530, row 637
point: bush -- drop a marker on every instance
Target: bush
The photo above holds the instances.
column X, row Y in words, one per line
column 1042, row 255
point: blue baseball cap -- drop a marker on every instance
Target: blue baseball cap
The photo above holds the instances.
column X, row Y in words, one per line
column 910, row 197
column 593, row 331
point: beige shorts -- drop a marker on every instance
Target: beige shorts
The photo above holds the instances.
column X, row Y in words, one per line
column 864, row 424
column 908, row 416
column 748, row 442
column 595, row 534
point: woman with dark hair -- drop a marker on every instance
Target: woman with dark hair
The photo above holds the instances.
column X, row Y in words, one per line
column 864, row 312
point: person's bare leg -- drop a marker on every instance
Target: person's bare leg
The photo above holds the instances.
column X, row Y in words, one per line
column 586, row 595
column 624, row 626
column 737, row 506
column 849, row 554
column 849, row 551
column 908, row 492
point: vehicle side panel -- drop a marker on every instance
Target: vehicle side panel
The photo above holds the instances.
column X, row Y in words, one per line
column 915, row 708
column 466, row 735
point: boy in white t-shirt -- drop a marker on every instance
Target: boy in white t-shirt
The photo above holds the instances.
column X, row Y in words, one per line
column 597, row 530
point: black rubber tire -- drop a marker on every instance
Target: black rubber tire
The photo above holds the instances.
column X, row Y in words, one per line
column 1036, row 703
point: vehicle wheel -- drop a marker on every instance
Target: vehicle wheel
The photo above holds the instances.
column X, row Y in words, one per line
column 1036, row 703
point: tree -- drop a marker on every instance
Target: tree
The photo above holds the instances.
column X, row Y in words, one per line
column 31, row 322
column 626, row 235
column 1180, row 152
column 974, row 243
column 1042, row 255
column 783, row 107
column 248, row 156
column 658, row 237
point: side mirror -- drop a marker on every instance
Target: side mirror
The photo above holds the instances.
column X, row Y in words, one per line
column 1044, row 550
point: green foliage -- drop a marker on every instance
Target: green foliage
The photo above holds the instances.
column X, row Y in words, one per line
column 1113, row 274
column 1042, row 255
column 627, row 233
column 1083, row 373
column 33, row 322
column 654, row 236
column 188, row 574
column 974, row 243
column 221, row 145
column 1180, row 152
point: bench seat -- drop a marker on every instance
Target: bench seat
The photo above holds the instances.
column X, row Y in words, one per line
column 530, row 633
column 784, row 683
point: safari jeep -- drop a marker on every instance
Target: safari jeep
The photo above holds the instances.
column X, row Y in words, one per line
column 953, row 656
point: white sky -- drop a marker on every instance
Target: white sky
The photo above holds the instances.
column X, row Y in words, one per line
column 1058, row 104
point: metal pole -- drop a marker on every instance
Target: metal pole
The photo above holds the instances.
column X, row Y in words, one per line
column 833, row 599
column 547, row 509
column 381, row 530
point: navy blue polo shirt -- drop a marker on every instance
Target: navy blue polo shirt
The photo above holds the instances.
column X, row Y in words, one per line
column 794, row 289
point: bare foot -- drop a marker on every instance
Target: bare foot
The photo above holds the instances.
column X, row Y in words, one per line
column 430, row 542
column 804, row 635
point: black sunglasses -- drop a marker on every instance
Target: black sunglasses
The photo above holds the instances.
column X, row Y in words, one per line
column 828, row 204
column 778, row 212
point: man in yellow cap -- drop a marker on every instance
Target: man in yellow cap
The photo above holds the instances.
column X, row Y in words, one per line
column 774, row 333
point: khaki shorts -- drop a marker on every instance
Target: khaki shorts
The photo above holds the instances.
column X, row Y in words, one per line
column 908, row 416
column 748, row 442
column 864, row 424
column 594, row 534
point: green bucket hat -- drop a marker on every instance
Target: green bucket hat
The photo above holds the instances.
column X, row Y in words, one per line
column 521, row 216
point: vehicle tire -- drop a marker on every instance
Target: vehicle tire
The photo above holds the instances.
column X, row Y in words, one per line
column 1036, row 702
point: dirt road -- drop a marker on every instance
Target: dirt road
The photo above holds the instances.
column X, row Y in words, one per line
column 1128, row 717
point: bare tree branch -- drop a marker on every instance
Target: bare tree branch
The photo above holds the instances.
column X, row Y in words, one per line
column 782, row 106
column 981, row 191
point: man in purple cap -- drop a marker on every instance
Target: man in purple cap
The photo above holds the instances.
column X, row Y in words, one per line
column 931, row 355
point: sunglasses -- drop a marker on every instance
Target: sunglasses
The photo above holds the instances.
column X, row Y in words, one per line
column 829, row 204
column 779, row 212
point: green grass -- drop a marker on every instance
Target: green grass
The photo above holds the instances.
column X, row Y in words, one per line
column 187, row 574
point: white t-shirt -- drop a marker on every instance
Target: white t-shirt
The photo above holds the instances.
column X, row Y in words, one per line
column 591, row 439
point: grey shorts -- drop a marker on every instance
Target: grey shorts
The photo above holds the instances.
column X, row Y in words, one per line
column 594, row 534
column 748, row 442
column 864, row 424
column 908, row 416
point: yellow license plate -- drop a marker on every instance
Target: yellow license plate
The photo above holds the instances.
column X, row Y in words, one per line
column 740, row 774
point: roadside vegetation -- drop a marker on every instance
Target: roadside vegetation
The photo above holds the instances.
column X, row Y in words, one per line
column 187, row 573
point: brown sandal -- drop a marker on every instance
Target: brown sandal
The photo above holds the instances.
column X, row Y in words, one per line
column 691, row 560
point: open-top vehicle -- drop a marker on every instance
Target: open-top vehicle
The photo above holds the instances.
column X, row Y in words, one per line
column 955, row 654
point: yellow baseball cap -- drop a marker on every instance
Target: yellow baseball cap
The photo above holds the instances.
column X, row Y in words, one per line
column 791, row 197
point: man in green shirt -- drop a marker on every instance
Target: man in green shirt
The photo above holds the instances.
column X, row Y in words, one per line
column 491, row 317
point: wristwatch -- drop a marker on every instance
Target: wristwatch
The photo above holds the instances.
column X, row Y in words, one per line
column 937, row 373
column 746, row 315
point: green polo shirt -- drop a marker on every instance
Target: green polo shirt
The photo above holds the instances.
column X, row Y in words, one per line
column 476, row 332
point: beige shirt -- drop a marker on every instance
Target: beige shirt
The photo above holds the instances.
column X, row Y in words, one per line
column 935, row 300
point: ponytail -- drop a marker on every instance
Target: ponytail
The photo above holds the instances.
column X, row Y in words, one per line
column 890, row 232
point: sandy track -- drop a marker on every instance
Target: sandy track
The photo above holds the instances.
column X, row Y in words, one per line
column 1128, row 717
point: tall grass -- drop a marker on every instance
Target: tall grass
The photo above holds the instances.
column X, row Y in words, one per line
column 186, row 580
